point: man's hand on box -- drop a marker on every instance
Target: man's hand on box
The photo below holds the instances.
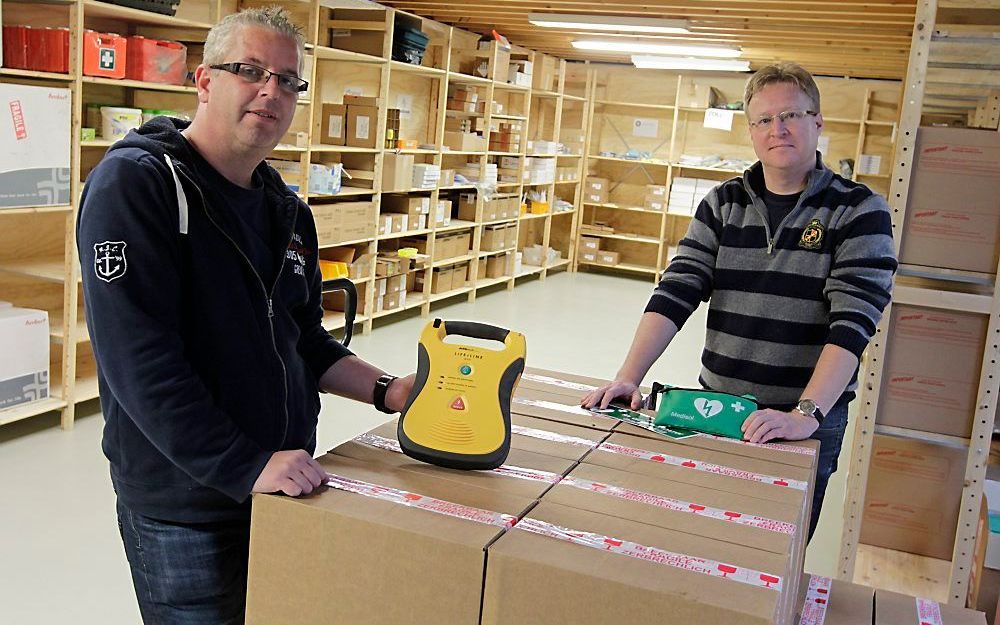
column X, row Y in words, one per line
column 767, row 425
column 398, row 392
column 604, row 395
column 293, row 472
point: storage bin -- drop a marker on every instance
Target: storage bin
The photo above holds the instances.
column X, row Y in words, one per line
column 15, row 47
column 156, row 60
column 116, row 121
column 104, row 54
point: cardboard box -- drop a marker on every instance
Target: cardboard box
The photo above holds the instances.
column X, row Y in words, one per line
column 544, row 404
column 371, row 447
column 367, row 532
column 343, row 221
column 932, row 369
column 24, row 343
column 606, row 257
column 833, row 602
column 892, row 608
column 595, row 190
column 34, row 146
column 751, row 522
column 464, row 141
column 654, row 204
column 696, row 95
column 362, row 125
column 499, row 265
column 588, row 257
column 441, row 282
column 553, row 438
column 460, row 276
column 334, row 124
column 590, row 243
column 397, row 171
column 736, row 479
column 557, row 581
column 913, row 496
column 952, row 213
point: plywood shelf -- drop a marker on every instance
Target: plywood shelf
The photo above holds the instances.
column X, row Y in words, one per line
column 138, row 84
column 32, row 409
column 92, row 8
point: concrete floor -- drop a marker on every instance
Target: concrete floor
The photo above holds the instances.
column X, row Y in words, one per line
column 61, row 559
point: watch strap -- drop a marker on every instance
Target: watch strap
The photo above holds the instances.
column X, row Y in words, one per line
column 378, row 394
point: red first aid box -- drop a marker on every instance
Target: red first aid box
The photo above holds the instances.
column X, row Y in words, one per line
column 155, row 60
column 104, row 54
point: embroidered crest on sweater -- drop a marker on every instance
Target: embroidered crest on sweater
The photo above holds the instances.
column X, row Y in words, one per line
column 812, row 235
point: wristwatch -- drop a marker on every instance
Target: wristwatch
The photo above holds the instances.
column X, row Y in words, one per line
column 809, row 408
column 378, row 395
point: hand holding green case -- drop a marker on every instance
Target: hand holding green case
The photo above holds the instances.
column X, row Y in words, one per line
column 704, row 410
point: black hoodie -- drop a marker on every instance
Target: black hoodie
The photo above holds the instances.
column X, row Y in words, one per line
column 204, row 369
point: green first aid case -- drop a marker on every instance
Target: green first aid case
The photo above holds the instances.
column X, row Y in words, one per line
column 704, row 410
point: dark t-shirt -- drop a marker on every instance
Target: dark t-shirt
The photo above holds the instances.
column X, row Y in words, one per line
column 247, row 211
column 778, row 207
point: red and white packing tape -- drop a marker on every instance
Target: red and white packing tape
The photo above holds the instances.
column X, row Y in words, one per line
column 706, row 467
column 551, row 405
column 554, row 437
column 653, row 554
column 544, row 379
column 678, row 505
column 421, row 502
column 817, row 598
column 928, row 612
column 794, row 449
column 535, row 475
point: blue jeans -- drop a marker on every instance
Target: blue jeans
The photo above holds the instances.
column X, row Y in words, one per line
column 831, row 438
column 187, row 573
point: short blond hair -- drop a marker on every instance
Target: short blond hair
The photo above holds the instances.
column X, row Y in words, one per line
column 786, row 72
column 219, row 38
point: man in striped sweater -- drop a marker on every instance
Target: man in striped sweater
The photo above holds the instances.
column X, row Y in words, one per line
column 796, row 263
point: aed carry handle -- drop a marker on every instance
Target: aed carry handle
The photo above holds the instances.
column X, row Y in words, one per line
column 350, row 303
column 474, row 329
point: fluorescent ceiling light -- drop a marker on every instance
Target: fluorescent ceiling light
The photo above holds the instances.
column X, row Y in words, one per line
column 679, row 62
column 609, row 23
column 632, row 47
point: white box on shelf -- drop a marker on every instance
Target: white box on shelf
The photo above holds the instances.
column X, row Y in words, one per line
column 34, row 146
column 24, row 356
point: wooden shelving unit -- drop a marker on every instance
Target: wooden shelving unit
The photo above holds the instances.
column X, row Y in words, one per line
column 42, row 271
column 944, row 290
column 860, row 118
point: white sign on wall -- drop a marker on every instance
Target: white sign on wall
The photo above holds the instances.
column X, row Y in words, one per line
column 720, row 119
column 645, row 127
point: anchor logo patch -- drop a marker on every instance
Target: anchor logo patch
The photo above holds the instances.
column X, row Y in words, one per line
column 109, row 260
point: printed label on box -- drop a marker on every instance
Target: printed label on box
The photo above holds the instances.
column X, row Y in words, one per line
column 336, row 125
column 362, row 128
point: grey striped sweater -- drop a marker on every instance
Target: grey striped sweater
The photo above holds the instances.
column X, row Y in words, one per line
column 776, row 299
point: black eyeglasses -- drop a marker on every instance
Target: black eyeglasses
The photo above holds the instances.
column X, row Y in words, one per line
column 256, row 74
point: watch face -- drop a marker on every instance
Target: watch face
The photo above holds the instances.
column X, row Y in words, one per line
column 807, row 406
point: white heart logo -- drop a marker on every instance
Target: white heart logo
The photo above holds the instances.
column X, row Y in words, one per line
column 707, row 407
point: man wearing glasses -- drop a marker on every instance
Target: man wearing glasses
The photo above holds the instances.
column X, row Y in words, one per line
column 202, row 293
column 796, row 263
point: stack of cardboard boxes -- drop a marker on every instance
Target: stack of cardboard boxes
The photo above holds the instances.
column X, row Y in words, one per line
column 450, row 278
column 343, row 221
column 655, row 198
column 591, row 252
column 596, row 190
column 587, row 522
column 498, row 237
column 507, row 137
